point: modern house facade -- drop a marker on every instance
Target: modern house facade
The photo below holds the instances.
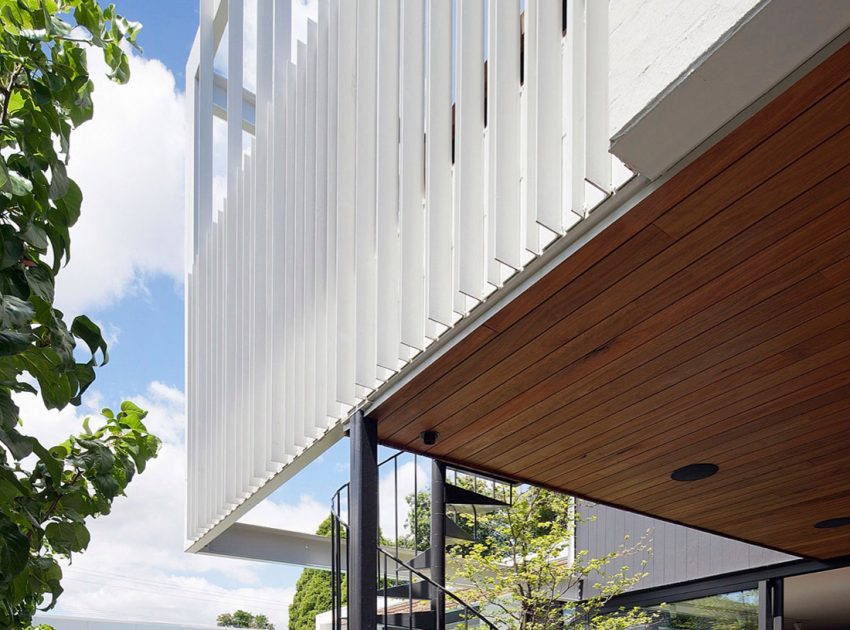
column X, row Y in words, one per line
column 598, row 247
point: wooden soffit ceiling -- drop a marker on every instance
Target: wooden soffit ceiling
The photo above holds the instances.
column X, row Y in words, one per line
column 711, row 323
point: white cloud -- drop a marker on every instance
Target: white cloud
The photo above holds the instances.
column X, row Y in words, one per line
column 135, row 566
column 129, row 163
column 304, row 516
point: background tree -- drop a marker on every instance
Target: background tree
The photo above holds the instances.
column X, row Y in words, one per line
column 47, row 492
column 244, row 619
column 520, row 575
column 313, row 592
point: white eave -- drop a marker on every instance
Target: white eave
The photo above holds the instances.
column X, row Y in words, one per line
column 759, row 53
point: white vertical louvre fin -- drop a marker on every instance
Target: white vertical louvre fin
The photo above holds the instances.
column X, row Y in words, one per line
column 504, row 126
column 346, row 155
column 321, row 244
column 574, row 113
column 332, row 406
column 262, row 268
column 548, row 129
column 388, row 315
column 469, row 149
column 438, row 162
column 309, row 253
column 291, row 267
column 365, row 105
column 598, row 158
column 299, row 243
column 279, row 182
column 411, row 174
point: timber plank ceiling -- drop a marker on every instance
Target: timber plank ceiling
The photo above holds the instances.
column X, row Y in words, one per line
column 711, row 323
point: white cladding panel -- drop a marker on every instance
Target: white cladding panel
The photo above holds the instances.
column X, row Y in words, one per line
column 402, row 166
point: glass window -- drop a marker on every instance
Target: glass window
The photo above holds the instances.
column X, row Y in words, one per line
column 729, row 611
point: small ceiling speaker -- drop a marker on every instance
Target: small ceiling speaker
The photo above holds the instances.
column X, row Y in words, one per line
column 429, row 438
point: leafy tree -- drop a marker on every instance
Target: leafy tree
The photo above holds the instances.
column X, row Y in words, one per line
column 417, row 522
column 520, row 578
column 313, row 592
column 244, row 619
column 47, row 493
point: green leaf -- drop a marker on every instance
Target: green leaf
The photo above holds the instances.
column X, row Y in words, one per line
column 58, row 181
column 4, row 173
column 12, row 247
column 54, row 467
column 13, row 342
column 35, row 236
column 40, row 281
column 89, row 332
column 15, row 312
column 18, row 185
column 14, row 548
column 67, row 537
column 19, row 445
column 9, row 412
column 9, row 491
column 71, row 202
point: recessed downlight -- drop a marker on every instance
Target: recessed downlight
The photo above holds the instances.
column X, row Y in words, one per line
column 841, row 521
column 694, row 472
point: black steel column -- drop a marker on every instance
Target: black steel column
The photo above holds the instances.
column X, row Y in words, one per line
column 438, row 541
column 363, row 534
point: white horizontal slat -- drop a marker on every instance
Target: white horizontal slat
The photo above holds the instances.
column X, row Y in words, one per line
column 388, row 315
column 411, row 174
column 469, row 149
column 438, row 162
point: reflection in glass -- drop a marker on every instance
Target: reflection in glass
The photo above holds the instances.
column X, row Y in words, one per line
column 730, row 611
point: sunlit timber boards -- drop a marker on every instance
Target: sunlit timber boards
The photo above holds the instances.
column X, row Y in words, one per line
column 711, row 323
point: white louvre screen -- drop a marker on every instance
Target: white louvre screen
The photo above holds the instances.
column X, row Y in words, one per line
column 405, row 161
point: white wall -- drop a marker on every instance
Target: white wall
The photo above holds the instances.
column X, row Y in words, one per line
column 679, row 554
column 654, row 41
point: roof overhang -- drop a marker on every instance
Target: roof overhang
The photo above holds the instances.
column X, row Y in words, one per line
column 702, row 317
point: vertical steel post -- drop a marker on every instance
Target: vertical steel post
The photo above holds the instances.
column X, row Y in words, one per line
column 363, row 528
column 765, row 608
column 438, row 541
column 771, row 604
column 778, row 602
